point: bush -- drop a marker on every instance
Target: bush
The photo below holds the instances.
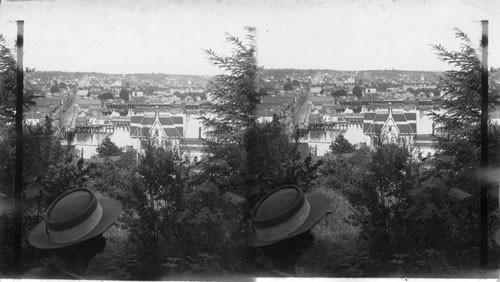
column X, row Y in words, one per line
column 176, row 227
column 335, row 251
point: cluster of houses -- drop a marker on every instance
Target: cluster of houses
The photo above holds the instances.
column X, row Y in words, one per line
column 319, row 120
column 172, row 115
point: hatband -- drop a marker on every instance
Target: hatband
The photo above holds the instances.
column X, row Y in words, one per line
column 77, row 226
column 269, row 228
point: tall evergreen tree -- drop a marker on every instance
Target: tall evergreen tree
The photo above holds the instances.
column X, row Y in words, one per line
column 233, row 93
column 108, row 148
column 458, row 121
column 234, row 97
column 459, row 139
column 243, row 155
column 341, row 145
column 460, row 114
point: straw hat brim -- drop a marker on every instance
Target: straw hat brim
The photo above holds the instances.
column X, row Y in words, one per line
column 111, row 211
column 320, row 205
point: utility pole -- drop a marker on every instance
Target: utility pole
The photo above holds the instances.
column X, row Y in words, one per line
column 484, row 146
column 18, row 190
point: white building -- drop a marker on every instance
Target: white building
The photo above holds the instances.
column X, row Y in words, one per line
column 82, row 92
column 371, row 90
column 136, row 94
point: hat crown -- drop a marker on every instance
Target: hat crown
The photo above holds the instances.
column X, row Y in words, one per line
column 71, row 209
column 277, row 203
column 278, row 206
column 70, row 206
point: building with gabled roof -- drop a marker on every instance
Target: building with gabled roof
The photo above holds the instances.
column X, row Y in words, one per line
column 34, row 118
column 157, row 126
column 389, row 126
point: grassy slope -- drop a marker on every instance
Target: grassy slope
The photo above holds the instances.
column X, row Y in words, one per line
column 334, row 252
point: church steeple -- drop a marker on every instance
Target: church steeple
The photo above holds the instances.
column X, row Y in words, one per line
column 390, row 130
column 156, row 130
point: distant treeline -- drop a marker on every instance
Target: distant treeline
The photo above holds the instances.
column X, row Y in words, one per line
column 373, row 73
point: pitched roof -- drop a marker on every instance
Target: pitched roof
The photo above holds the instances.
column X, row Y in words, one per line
column 411, row 116
column 172, row 132
column 405, row 129
column 381, row 117
column 136, row 119
column 133, row 130
column 148, row 120
column 177, row 120
column 399, row 117
column 369, row 116
column 375, row 128
column 141, row 125
column 366, row 126
column 414, row 127
column 180, row 130
column 166, row 121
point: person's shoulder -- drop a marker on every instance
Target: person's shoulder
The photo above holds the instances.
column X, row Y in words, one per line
column 263, row 270
column 48, row 271
column 36, row 273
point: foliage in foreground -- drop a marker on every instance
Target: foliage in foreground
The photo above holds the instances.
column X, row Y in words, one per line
column 390, row 214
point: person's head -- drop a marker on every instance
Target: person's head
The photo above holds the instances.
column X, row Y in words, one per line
column 82, row 252
column 282, row 222
column 284, row 254
column 74, row 224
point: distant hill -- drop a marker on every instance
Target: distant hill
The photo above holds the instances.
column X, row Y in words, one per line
column 279, row 74
column 395, row 74
column 61, row 75
column 379, row 74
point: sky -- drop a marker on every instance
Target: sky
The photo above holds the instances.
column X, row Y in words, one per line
column 169, row 36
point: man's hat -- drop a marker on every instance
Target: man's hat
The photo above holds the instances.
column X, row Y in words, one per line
column 286, row 212
column 73, row 217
